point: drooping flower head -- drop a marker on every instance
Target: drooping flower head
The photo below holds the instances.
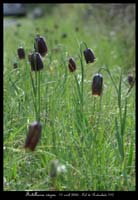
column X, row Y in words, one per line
column 40, row 45
column 21, row 53
column 36, row 62
column 131, row 80
column 97, row 84
column 72, row 65
column 89, row 55
column 33, row 136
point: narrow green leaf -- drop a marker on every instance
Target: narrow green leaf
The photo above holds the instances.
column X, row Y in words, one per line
column 119, row 140
column 123, row 123
column 130, row 156
column 119, row 93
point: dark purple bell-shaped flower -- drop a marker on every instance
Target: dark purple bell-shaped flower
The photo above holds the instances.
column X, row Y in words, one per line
column 33, row 136
column 36, row 62
column 40, row 45
column 131, row 80
column 21, row 53
column 89, row 56
column 97, row 84
column 72, row 65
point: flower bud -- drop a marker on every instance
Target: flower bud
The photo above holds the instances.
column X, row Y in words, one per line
column 72, row 65
column 97, row 84
column 21, row 53
column 76, row 28
column 89, row 56
column 36, row 62
column 131, row 80
column 15, row 65
column 40, row 45
column 33, row 136
column 64, row 35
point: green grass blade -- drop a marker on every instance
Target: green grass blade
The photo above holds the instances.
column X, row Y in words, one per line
column 123, row 124
column 119, row 140
column 130, row 156
column 119, row 93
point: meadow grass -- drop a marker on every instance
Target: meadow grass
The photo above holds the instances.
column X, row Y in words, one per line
column 94, row 137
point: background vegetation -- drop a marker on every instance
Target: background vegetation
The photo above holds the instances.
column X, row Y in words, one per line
column 96, row 144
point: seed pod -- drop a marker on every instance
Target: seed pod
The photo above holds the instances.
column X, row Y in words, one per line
column 131, row 80
column 34, row 134
column 72, row 65
column 36, row 62
column 21, row 53
column 40, row 45
column 89, row 56
column 97, row 84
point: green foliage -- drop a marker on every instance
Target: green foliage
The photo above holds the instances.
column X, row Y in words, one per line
column 94, row 137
